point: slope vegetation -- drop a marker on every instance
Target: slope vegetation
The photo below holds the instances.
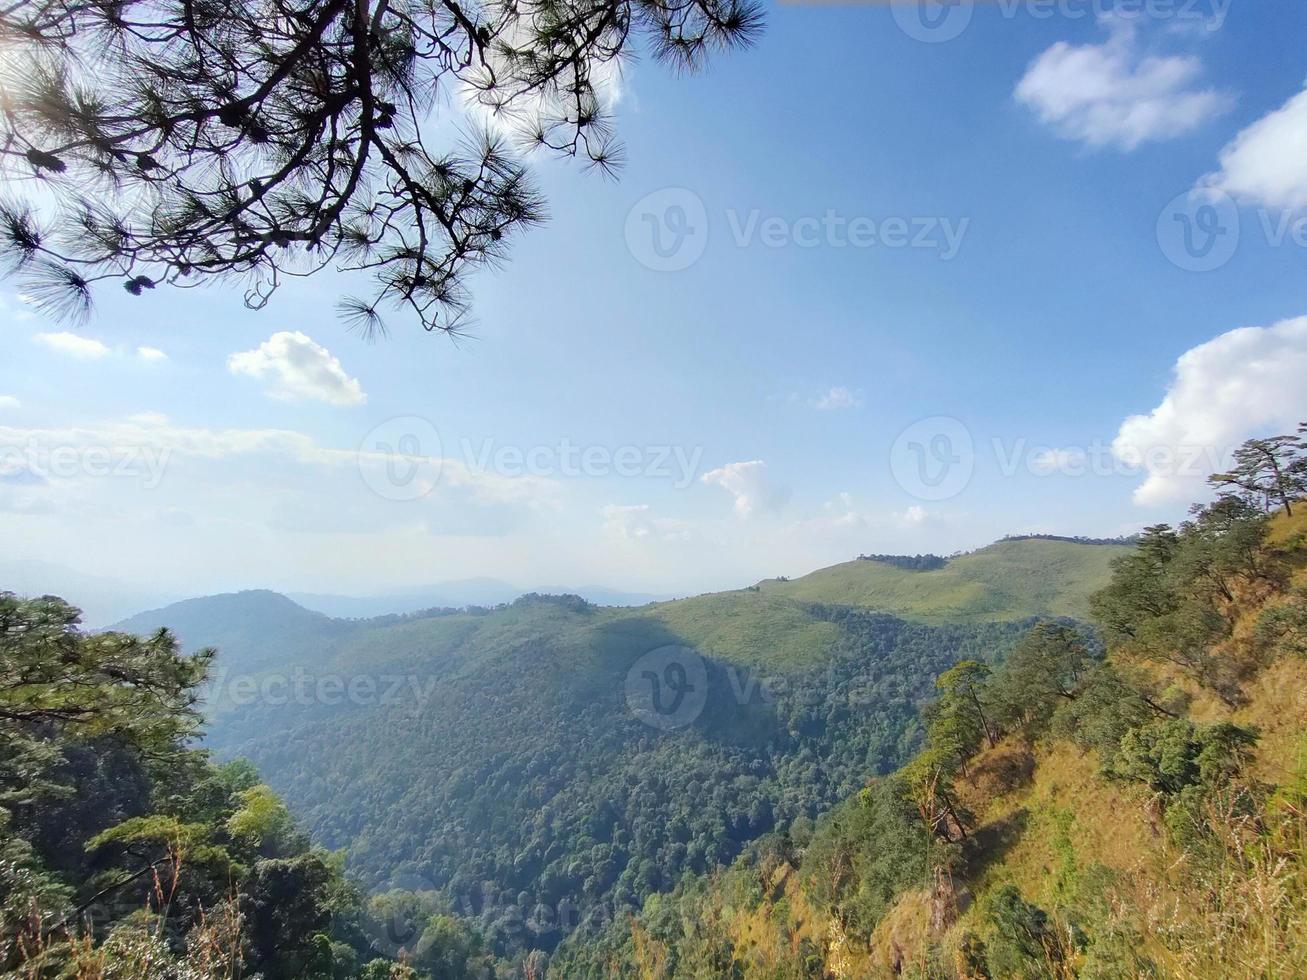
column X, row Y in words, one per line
column 1012, row 579
column 1139, row 816
column 494, row 755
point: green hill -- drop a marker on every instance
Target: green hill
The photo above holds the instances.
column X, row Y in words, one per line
column 495, row 754
column 1138, row 811
column 1011, row 579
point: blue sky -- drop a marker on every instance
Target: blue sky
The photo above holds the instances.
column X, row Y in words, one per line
column 742, row 415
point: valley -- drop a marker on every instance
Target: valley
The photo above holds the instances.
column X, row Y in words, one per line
column 492, row 754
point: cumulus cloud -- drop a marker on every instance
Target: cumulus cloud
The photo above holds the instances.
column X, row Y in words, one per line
column 151, row 354
column 1243, row 383
column 17, row 309
column 296, row 368
column 9, row 401
column 1115, row 95
column 1266, row 164
column 751, row 486
column 837, row 398
column 73, row 345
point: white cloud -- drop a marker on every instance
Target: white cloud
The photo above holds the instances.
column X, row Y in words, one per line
column 636, row 522
column 72, row 344
column 275, row 458
column 1266, row 164
column 295, row 367
column 9, row 401
column 1114, row 95
column 1243, row 383
column 837, row 398
column 750, row 485
column 914, row 516
column 151, row 354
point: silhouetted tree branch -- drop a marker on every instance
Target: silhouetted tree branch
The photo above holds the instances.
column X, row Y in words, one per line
column 187, row 141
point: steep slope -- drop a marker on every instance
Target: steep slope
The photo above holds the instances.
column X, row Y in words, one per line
column 1144, row 816
column 1011, row 579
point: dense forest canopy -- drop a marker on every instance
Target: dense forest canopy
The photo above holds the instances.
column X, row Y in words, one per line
column 510, row 773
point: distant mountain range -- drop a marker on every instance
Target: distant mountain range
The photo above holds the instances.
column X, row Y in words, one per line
column 456, row 595
column 104, row 601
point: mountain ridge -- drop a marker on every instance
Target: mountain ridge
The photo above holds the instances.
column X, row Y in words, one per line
column 504, row 745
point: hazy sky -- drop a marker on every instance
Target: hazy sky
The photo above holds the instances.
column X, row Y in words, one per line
column 865, row 287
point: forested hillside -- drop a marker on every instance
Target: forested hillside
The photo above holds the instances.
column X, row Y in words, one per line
column 1142, row 814
column 492, row 754
column 507, row 769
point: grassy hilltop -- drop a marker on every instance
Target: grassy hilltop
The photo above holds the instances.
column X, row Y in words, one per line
column 1007, row 580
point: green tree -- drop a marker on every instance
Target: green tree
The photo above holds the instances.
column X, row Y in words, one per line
column 1268, row 470
column 126, row 853
column 958, row 721
column 1024, row 941
column 1042, row 671
column 1140, row 590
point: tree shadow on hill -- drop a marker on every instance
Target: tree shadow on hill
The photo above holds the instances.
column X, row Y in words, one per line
column 663, row 681
column 990, row 843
